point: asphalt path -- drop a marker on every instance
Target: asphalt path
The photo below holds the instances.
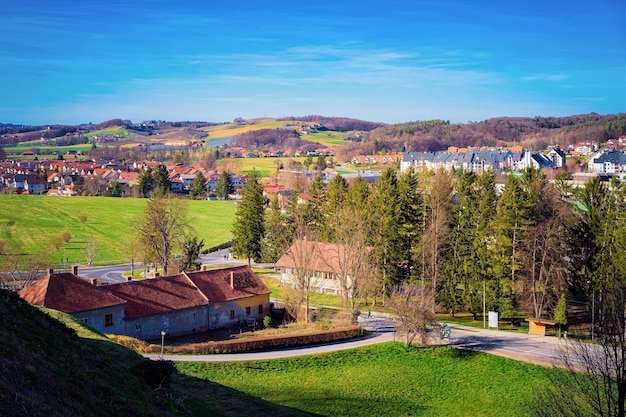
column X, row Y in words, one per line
column 114, row 273
column 540, row 350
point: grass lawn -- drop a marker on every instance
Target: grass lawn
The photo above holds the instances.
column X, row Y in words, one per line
column 384, row 380
column 32, row 222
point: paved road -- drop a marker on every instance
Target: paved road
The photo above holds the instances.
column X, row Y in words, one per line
column 114, row 273
column 541, row 350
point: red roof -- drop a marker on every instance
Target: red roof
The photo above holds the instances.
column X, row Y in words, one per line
column 158, row 295
column 215, row 284
column 68, row 293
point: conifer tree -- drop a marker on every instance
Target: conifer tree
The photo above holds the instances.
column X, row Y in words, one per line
column 197, row 190
column 249, row 225
column 145, row 183
column 161, row 177
column 383, row 219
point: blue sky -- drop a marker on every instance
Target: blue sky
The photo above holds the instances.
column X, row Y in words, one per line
column 68, row 61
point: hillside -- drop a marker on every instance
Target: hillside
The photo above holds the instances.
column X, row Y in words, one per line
column 53, row 366
column 48, row 371
column 347, row 136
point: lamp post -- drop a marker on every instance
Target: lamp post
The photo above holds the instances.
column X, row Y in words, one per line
column 162, row 342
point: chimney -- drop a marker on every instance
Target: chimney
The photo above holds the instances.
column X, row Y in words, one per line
column 232, row 280
column 129, row 279
column 93, row 281
column 75, row 269
column 50, row 272
column 204, row 267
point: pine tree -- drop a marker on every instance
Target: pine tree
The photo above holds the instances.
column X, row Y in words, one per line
column 410, row 222
column 335, row 199
column 277, row 236
column 314, row 211
column 383, row 219
column 162, row 183
column 197, row 190
column 249, row 225
column 513, row 219
column 223, row 188
column 145, row 183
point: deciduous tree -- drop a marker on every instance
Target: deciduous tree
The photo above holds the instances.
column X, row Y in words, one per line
column 162, row 227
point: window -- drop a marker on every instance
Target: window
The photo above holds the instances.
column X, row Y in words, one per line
column 247, row 311
column 85, row 321
column 260, row 308
column 108, row 320
column 137, row 328
column 232, row 314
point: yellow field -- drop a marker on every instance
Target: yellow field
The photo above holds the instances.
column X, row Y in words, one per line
column 232, row 129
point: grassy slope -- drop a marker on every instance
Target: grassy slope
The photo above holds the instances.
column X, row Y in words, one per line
column 33, row 221
column 385, row 380
column 48, row 371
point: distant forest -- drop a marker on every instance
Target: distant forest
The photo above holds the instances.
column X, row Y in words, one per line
column 531, row 133
column 371, row 137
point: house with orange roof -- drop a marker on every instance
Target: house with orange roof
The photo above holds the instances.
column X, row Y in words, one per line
column 179, row 304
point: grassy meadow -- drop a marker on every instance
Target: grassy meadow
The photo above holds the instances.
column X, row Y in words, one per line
column 328, row 138
column 263, row 166
column 384, row 380
column 32, row 222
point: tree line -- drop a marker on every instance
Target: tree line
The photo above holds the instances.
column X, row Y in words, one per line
column 520, row 250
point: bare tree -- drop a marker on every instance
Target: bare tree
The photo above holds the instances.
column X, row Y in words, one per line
column 19, row 271
column 90, row 250
column 439, row 205
column 414, row 308
column 305, row 258
column 162, row 227
column 350, row 257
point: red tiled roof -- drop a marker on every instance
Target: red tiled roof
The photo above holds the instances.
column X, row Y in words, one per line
column 68, row 293
column 158, row 295
column 215, row 284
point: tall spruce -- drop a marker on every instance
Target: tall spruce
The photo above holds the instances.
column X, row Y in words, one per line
column 223, row 187
column 410, row 211
column 335, row 198
column 314, row 209
column 249, row 225
column 383, row 220
column 514, row 212
column 277, row 233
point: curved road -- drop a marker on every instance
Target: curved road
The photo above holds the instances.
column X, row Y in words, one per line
column 540, row 350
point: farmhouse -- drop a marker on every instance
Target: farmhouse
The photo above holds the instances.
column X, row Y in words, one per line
column 179, row 304
column 322, row 262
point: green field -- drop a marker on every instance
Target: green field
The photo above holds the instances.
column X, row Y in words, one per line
column 116, row 130
column 329, row 138
column 32, row 222
column 263, row 166
column 384, row 380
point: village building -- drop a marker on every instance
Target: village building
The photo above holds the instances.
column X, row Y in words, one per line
column 178, row 304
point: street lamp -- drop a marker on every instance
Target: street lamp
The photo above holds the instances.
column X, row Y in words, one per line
column 162, row 342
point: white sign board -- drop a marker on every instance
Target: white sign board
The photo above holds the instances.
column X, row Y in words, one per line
column 493, row 319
